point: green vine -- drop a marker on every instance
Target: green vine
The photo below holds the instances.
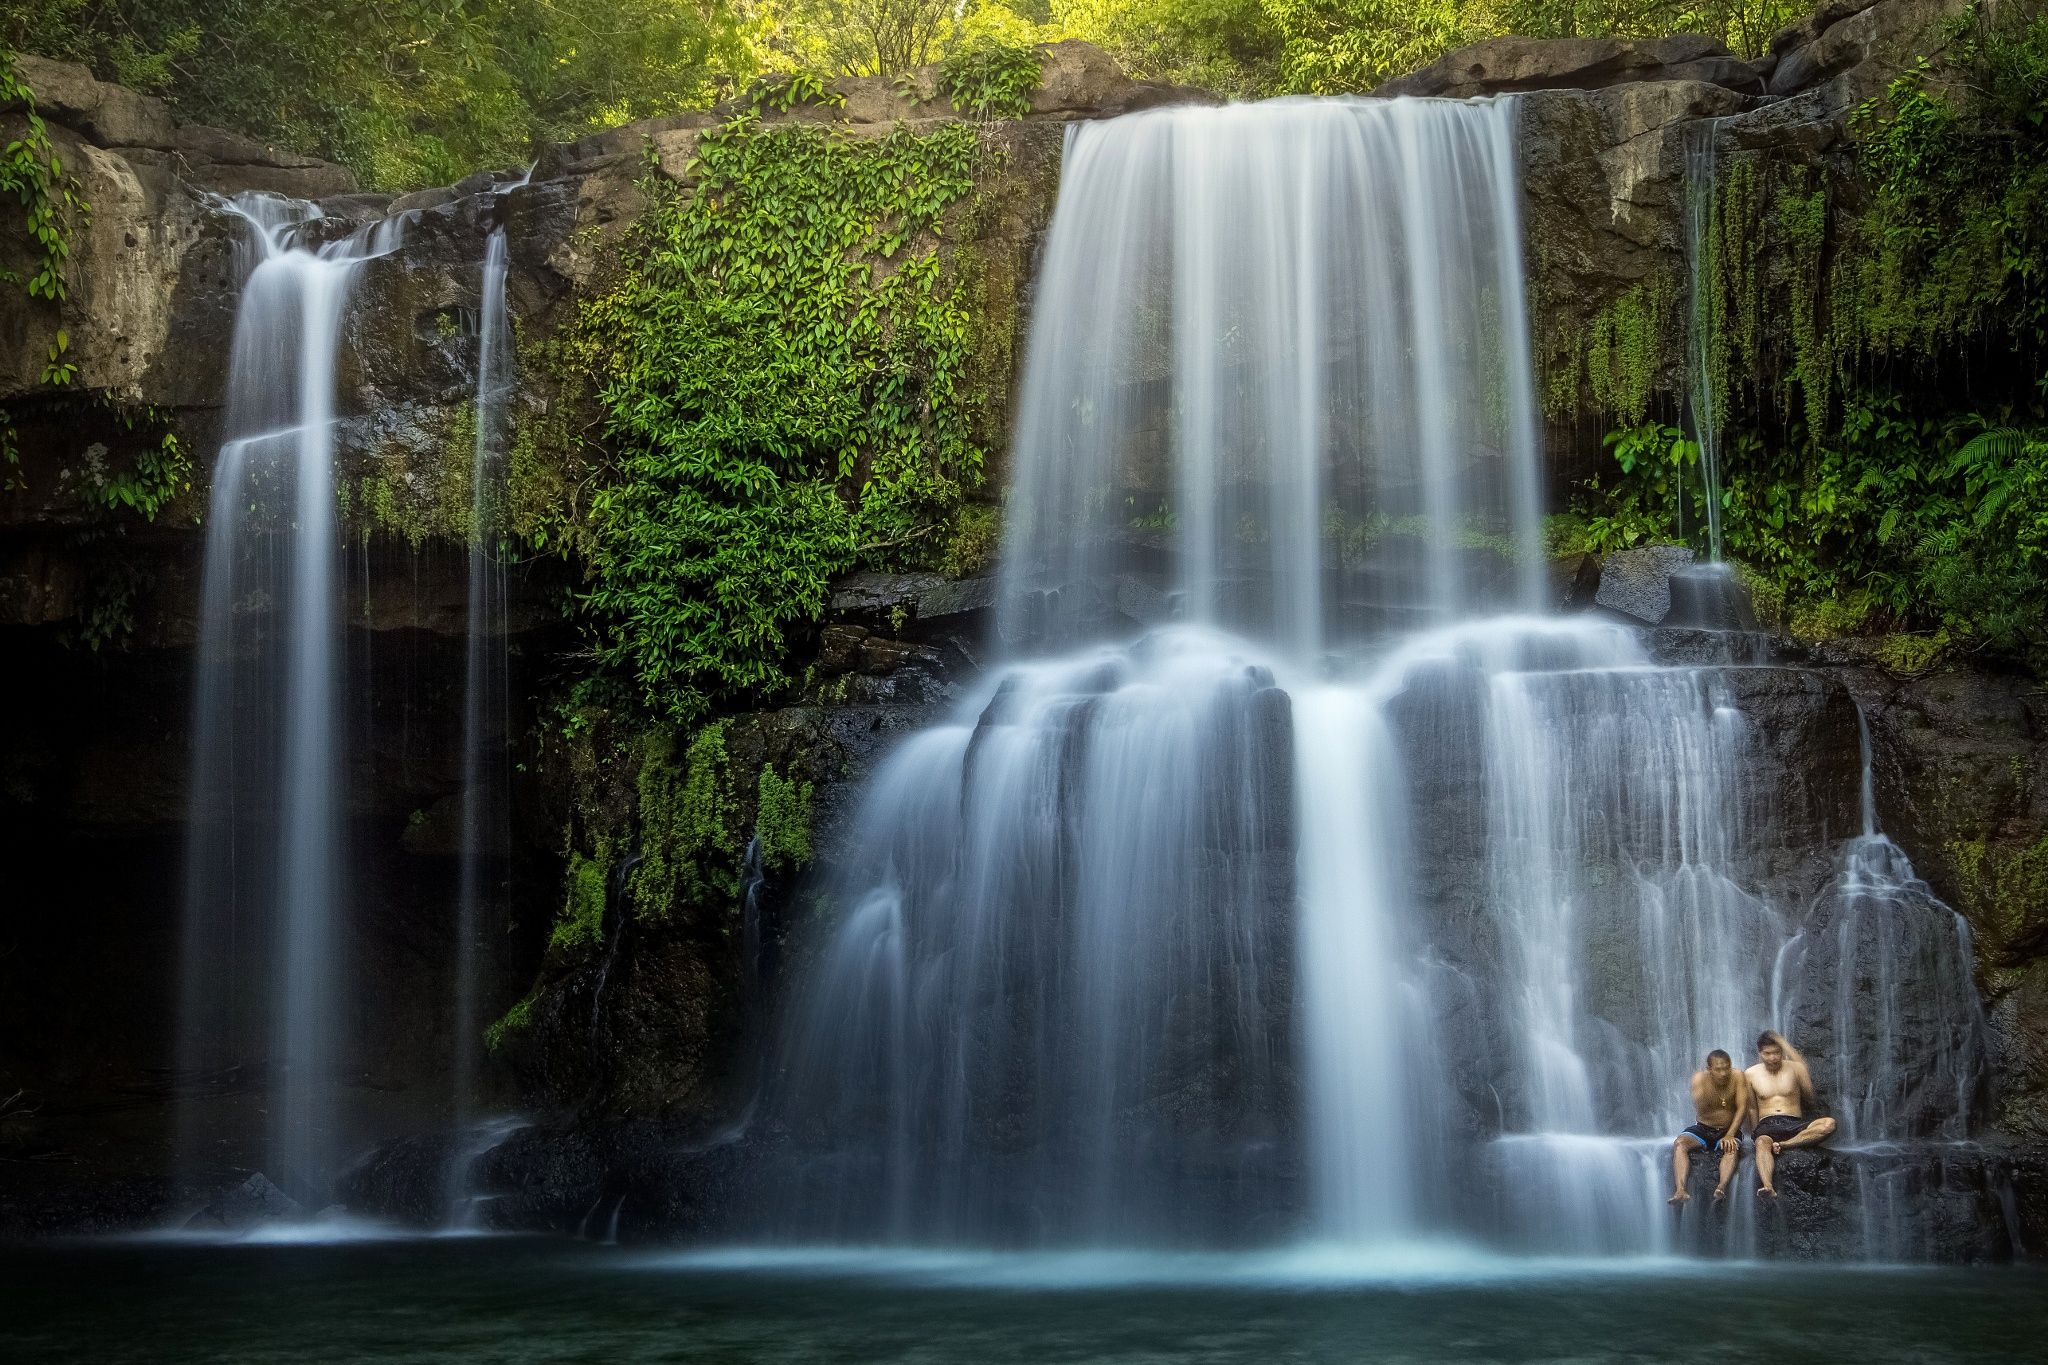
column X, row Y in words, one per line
column 159, row 473
column 783, row 91
column 32, row 171
column 783, row 384
column 782, row 821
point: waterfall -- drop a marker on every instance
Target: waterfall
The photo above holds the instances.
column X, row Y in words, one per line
column 264, row 864
column 1883, row 984
column 1704, row 320
column 485, row 707
column 1290, row 338
column 1271, row 886
column 1279, row 386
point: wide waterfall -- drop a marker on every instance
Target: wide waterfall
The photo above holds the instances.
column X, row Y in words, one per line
column 1274, row 890
column 265, row 872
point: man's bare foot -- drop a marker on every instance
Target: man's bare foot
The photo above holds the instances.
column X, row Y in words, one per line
column 1720, row 1193
column 1678, row 1198
column 1767, row 1191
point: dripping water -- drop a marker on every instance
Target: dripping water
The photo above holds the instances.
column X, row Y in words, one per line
column 486, row 719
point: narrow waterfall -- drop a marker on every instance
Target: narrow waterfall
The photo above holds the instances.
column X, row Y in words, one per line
column 1272, row 887
column 486, row 783
column 265, row 888
column 1705, row 325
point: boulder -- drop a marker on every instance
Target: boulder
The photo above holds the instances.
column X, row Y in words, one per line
column 251, row 1204
column 1080, row 80
column 109, row 115
column 1637, row 583
column 1854, row 47
column 1506, row 65
column 228, row 163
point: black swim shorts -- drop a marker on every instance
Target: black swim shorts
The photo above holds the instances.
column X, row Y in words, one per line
column 1706, row 1134
column 1780, row 1127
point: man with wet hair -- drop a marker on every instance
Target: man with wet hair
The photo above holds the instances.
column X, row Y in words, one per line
column 1782, row 1087
column 1720, row 1098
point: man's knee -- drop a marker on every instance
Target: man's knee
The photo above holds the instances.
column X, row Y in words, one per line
column 1764, row 1144
column 1684, row 1142
column 1822, row 1127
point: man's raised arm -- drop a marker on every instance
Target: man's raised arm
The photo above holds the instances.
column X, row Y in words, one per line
column 1802, row 1075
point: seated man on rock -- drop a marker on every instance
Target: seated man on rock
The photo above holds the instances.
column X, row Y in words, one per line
column 1782, row 1087
column 1720, row 1097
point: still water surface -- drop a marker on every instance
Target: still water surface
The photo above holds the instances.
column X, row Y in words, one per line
column 521, row 1300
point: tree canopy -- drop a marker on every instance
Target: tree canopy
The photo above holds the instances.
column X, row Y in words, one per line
column 411, row 92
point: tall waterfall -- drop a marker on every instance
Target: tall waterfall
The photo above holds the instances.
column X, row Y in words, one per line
column 265, row 872
column 1271, row 888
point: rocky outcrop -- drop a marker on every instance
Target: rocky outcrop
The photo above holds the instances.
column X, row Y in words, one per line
column 1604, row 177
column 1501, row 66
column 1848, row 50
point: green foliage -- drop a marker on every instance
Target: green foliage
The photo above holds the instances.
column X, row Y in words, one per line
column 138, row 470
column 991, row 79
column 394, row 497
column 406, row 92
column 1896, row 518
column 33, row 172
column 581, row 921
column 514, row 1021
column 1229, row 46
column 1647, row 499
column 1338, row 46
column 687, row 813
column 869, row 37
column 784, row 391
column 782, row 91
column 976, row 539
column 782, row 822
column 1259, row 47
column 1622, row 352
column 1954, row 247
column 1745, row 25
column 1850, row 324
column 1908, row 654
column 159, row 473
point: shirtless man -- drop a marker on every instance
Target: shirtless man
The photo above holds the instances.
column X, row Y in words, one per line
column 1720, row 1097
column 1782, row 1087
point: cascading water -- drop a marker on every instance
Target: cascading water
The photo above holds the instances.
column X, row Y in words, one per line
column 1271, row 890
column 1061, row 1003
column 1881, row 982
column 264, row 864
